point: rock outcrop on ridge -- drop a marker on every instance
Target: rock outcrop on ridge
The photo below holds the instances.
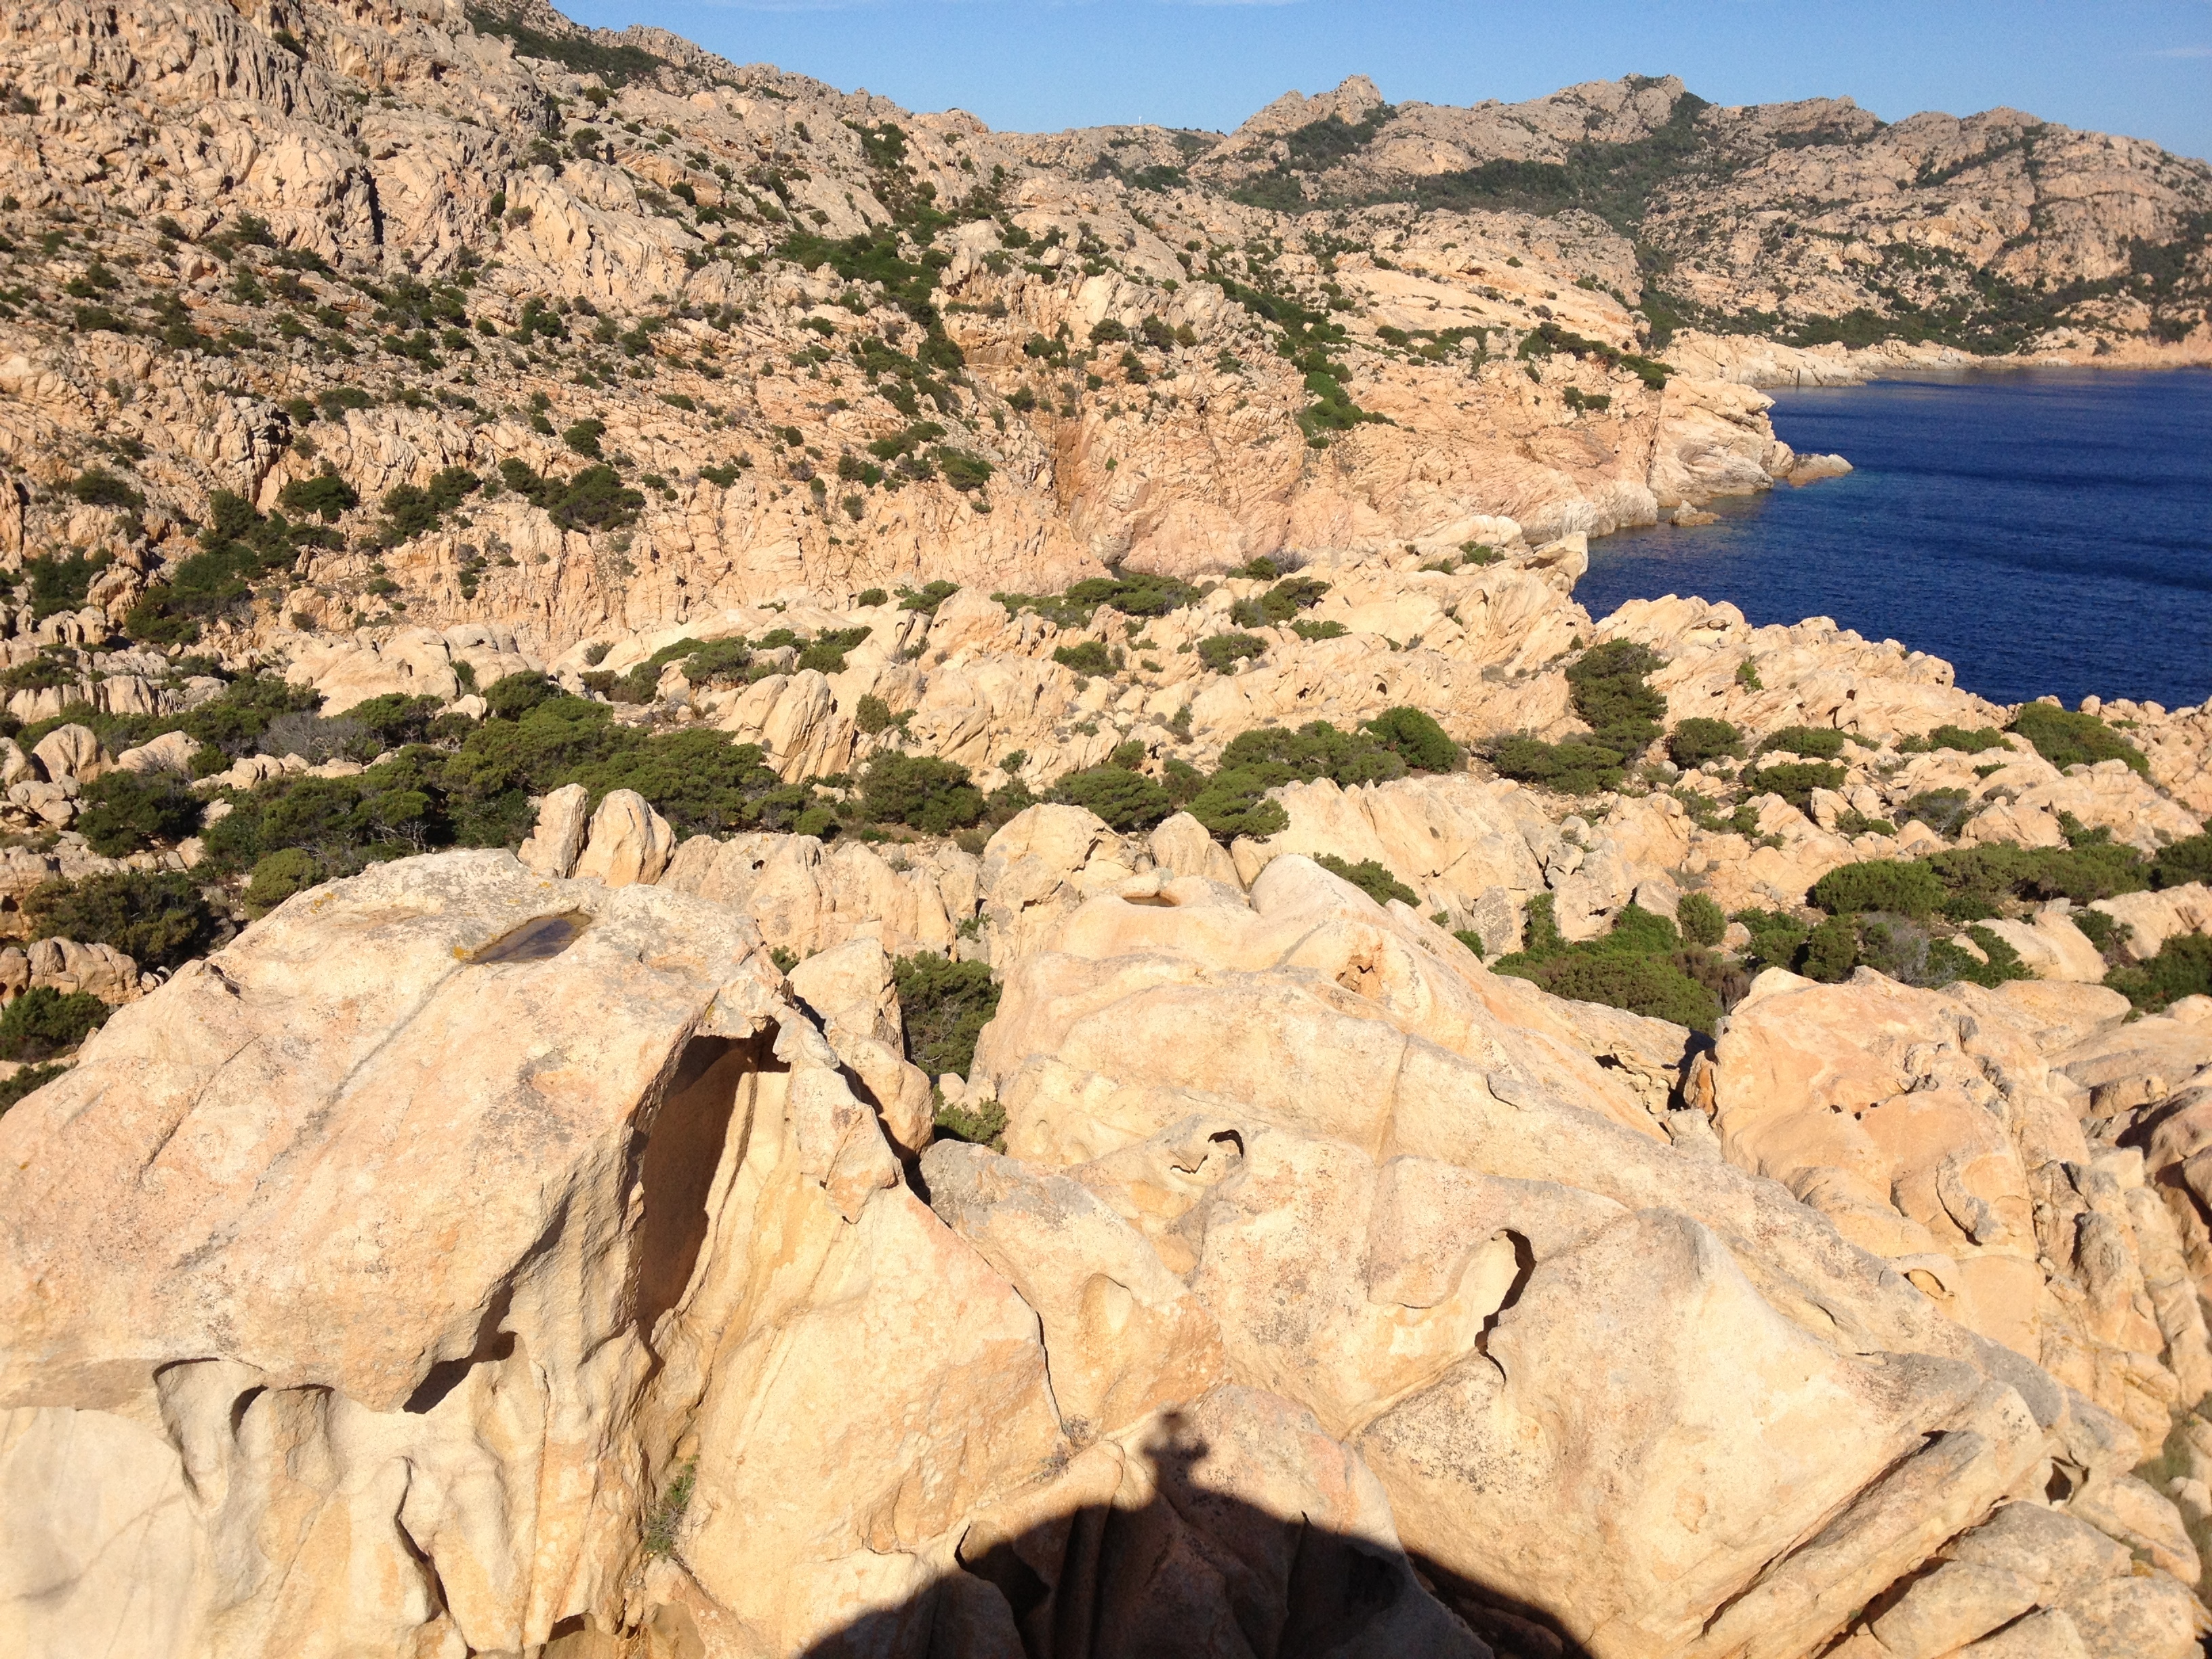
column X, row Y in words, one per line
column 677, row 1037
column 468, row 1261
column 313, row 255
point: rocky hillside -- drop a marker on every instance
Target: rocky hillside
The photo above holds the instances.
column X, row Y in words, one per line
column 585, row 331
column 783, row 878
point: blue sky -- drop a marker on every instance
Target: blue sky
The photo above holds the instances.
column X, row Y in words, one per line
column 2143, row 67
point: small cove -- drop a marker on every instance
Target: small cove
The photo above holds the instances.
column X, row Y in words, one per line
column 2046, row 531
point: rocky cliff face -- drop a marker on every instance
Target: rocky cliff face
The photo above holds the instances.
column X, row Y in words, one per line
column 824, row 344
column 1374, row 1185
column 468, row 1261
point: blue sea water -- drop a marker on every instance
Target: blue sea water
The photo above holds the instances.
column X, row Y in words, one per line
column 2043, row 530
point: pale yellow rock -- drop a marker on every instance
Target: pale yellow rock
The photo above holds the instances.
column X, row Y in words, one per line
column 2051, row 947
column 1181, row 845
column 557, row 839
column 70, row 751
column 848, row 988
column 424, row 1179
column 627, row 841
column 170, row 752
column 1122, row 1335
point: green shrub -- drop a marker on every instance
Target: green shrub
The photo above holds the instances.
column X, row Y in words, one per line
column 2107, row 932
column 1222, row 651
column 1831, row 950
column 279, row 876
column 63, row 584
column 97, row 487
column 326, row 496
column 235, row 721
column 1776, row 937
column 1966, row 741
column 1697, row 740
column 1795, row 781
column 1315, row 749
column 1416, row 738
column 2182, row 968
column 1571, row 768
column 871, row 714
column 43, row 1023
column 1977, row 876
column 2182, row 862
column 1473, row 941
column 1134, row 595
column 1639, row 966
column 156, row 917
column 30, row 1079
column 983, row 1124
column 127, row 812
column 1608, row 688
column 1942, row 810
column 697, row 778
column 1125, row 799
column 718, row 662
column 921, row 791
column 1813, row 742
column 1646, row 985
column 1701, row 920
column 925, row 599
column 2066, row 737
column 1234, row 802
column 1370, row 878
column 511, row 698
column 944, row 1006
column 1908, row 889
column 395, row 719
column 2003, row 964
column 1087, row 658
column 869, row 597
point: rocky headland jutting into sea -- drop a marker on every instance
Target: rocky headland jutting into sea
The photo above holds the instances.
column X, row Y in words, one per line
column 789, row 878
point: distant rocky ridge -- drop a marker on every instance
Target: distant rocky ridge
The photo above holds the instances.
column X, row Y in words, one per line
column 250, row 249
column 1072, row 1004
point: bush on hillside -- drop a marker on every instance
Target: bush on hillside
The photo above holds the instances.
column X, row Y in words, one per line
column 1609, row 689
column 2182, row 862
column 1370, row 878
column 1571, row 768
column 1966, row 741
column 1697, row 740
column 1811, row 741
column 156, row 917
column 1942, row 810
column 1222, row 651
column 43, row 1023
column 1910, row 890
column 1794, row 781
column 1088, row 657
column 921, row 791
column 1700, row 919
column 1416, row 738
column 1127, row 800
column 2067, row 737
column 944, row 1006
column 2182, row 968
column 127, row 812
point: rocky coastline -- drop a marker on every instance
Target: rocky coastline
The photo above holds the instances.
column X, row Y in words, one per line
column 781, row 878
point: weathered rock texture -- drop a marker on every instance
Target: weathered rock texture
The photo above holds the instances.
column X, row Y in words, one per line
column 398, row 225
column 467, row 1256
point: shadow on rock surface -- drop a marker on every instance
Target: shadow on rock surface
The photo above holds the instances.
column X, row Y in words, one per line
column 1190, row 1569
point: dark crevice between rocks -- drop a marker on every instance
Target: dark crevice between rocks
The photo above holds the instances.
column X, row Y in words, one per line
column 684, row 1138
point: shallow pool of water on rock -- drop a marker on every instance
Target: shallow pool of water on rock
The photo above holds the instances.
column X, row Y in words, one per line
column 2043, row 530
